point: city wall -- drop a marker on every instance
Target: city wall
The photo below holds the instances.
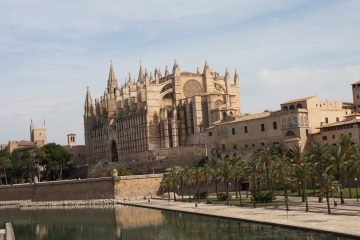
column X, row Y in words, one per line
column 85, row 189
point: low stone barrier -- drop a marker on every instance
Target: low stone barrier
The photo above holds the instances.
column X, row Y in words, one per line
column 119, row 188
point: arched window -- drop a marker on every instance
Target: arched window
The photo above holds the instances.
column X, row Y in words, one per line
column 290, row 134
column 114, row 152
column 224, row 115
column 292, row 107
column 299, row 105
column 285, row 108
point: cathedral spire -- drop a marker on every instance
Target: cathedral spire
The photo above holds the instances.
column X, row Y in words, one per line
column 227, row 79
column 206, row 68
column 166, row 71
column 141, row 76
column 112, row 81
column 89, row 108
column 236, row 78
column 176, row 67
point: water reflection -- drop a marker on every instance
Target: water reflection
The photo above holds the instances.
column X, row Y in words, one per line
column 123, row 222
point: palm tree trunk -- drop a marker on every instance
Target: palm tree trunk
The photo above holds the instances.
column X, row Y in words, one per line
column 227, row 192
column 328, row 202
column 198, row 192
column 305, row 196
column 188, row 187
column 241, row 204
column 182, row 190
column 341, row 190
column 207, row 188
column 236, row 187
column 350, row 186
column 313, row 185
column 268, row 179
column 6, row 182
column 286, row 198
column 174, row 193
column 216, row 187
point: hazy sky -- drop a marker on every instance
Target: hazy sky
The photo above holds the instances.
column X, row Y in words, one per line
column 50, row 50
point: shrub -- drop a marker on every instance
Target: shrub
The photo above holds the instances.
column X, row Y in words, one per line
column 202, row 195
column 263, row 197
column 222, row 197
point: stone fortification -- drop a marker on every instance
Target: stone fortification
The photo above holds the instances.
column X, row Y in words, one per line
column 119, row 188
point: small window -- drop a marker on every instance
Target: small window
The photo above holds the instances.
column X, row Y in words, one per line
column 235, row 147
column 274, row 125
column 357, row 96
column 262, row 127
column 350, row 134
column 326, row 120
column 210, row 134
column 233, row 131
column 337, row 119
column 246, row 146
column 253, row 145
column 246, row 129
column 262, row 144
column 333, row 136
column 223, row 147
column 324, row 138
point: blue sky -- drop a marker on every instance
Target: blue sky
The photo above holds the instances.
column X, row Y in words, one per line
column 51, row 50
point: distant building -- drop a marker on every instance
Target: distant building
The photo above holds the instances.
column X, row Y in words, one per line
column 77, row 152
column 38, row 138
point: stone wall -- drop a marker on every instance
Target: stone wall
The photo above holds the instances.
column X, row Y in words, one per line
column 84, row 189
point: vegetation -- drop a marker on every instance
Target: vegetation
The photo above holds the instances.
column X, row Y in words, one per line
column 272, row 172
column 49, row 162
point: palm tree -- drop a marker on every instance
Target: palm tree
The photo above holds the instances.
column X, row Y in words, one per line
column 214, row 173
column 239, row 174
column 297, row 157
column 283, row 173
column 188, row 179
column 236, row 161
column 265, row 157
column 5, row 163
column 347, row 144
column 326, row 187
column 252, row 174
column 319, row 153
column 337, row 163
column 354, row 164
column 226, row 173
column 198, row 176
column 166, row 183
column 206, row 169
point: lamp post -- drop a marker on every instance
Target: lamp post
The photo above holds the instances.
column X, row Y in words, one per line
column 357, row 193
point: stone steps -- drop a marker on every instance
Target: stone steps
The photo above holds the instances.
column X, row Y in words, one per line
column 2, row 234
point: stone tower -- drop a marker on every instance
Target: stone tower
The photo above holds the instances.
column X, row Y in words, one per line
column 356, row 96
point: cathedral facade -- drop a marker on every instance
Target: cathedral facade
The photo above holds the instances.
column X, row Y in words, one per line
column 157, row 111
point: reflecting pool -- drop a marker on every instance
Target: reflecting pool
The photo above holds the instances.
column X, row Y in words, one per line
column 124, row 222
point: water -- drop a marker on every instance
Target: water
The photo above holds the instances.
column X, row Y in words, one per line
column 124, row 222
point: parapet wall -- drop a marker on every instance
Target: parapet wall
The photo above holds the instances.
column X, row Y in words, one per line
column 84, row 189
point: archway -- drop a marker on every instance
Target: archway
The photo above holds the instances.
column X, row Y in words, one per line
column 114, row 152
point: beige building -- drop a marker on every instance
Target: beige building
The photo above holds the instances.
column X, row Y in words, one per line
column 78, row 156
column 38, row 138
column 157, row 111
column 294, row 124
column 178, row 109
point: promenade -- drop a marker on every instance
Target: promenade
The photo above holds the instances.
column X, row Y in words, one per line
column 344, row 221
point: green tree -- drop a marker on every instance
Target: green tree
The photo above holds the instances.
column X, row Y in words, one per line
column 283, row 174
column 5, row 163
column 319, row 154
column 265, row 157
column 336, row 166
column 226, row 173
column 57, row 159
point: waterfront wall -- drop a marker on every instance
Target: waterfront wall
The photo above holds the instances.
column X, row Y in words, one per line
column 84, row 189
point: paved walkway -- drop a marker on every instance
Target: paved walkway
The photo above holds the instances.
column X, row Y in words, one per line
column 348, row 225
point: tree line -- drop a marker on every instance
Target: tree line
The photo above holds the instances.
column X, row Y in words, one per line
column 327, row 168
column 46, row 163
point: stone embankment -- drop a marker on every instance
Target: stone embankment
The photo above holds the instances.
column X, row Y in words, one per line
column 68, row 203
